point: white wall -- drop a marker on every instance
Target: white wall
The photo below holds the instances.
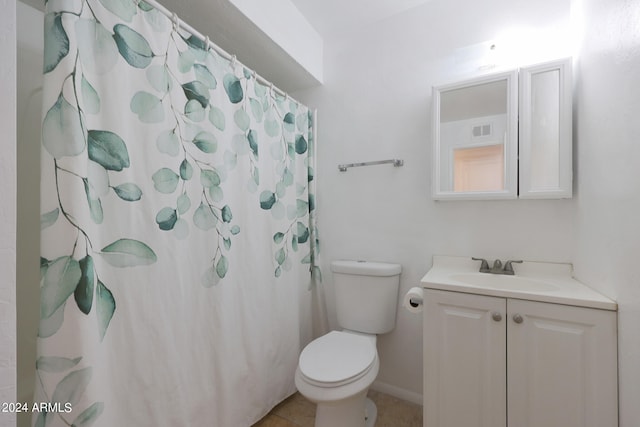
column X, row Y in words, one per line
column 374, row 105
column 7, row 208
column 607, row 222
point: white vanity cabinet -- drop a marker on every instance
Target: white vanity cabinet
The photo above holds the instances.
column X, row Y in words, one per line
column 503, row 362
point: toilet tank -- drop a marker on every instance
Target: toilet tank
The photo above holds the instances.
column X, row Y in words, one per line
column 366, row 295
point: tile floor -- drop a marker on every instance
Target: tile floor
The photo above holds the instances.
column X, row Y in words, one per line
column 297, row 411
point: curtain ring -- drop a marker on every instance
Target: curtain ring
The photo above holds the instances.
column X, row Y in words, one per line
column 271, row 89
column 206, row 43
column 255, row 75
column 176, row 23
column 233, row 61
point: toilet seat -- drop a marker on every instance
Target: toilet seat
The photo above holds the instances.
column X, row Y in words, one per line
column 337, row 358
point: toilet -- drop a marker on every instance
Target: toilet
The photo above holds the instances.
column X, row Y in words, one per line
column 336, row 370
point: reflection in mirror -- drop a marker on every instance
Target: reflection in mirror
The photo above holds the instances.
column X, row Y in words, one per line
column 478, row 169
column 473, row 122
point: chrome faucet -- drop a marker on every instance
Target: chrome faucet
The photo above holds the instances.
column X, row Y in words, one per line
column 484, row 266
column 508, row 268
column 497, row 266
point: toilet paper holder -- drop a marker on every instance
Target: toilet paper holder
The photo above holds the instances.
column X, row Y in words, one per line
column 415, row 302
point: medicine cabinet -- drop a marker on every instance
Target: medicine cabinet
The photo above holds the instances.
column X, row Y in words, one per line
column 504, row 136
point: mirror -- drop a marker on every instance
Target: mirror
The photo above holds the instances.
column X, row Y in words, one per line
column 505, row 136
column 475, row 138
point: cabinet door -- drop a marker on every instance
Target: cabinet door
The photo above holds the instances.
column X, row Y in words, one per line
column 464, row 352
column 562, row 368
column 545, row 166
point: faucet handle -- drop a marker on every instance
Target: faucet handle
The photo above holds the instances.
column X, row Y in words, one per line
column 508, row 268
column 484, row 266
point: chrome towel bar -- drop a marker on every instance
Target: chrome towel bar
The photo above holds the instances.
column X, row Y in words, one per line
column 396, row 163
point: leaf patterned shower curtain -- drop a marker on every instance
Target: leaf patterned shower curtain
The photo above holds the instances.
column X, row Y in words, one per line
column 177, row 227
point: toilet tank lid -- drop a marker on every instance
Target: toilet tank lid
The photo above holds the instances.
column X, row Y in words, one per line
column 366, row 268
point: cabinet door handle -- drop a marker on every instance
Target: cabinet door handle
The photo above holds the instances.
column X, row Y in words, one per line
column 517, row 318
column 496, row 316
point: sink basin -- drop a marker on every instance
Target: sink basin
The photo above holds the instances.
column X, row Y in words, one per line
column 511, row 283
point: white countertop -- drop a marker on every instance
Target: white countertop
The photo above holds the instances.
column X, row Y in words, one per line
column 556, row 284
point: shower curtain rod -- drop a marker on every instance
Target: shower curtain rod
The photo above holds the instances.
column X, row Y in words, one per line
column 183, row 25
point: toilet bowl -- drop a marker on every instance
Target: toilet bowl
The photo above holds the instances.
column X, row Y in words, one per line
column 336, row 370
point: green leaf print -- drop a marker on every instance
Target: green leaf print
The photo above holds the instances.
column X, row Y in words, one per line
column 168, row 143
column 62, row 131
column 49, row 218
column 165, row 180
column 105, row 307
column 90, row 98
column 129, row 192
column 242, row 119
column 132, row 46
column 50, row 325
column 54, row 364
column 183, row 203
column 222, row 266
column 267, row 199
column 148, row 107
column 196, row 42
column 233, row 87
column 289, row 121
column 166, row 218
column 89, row 415
column 227, row 216
column 186, row 170
column 204, row 75
column 84, row 290
column 58, row 284
column 197, row 91
column 216, row 117
column 203, row 217
column 159, row 78
column 209, row 178
column 41, row 420
column 71, row 388
column 194, row 111
column 97, row 48
column 56, row 41
column 206, row 142
column 303, row 232
column 301, row 144
column 252, row 137
column 128, row 253
column 256, row 109
column 125, row 9
column 95, row 205
column 144, row 6
column 108, row 149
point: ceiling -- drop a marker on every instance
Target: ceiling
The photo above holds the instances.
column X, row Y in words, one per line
column 333, row 19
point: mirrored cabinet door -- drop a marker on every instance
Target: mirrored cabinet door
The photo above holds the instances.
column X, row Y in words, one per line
column 545, row 137
column 475, row 138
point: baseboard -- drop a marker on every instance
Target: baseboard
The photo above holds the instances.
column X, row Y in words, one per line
column 400, row 393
